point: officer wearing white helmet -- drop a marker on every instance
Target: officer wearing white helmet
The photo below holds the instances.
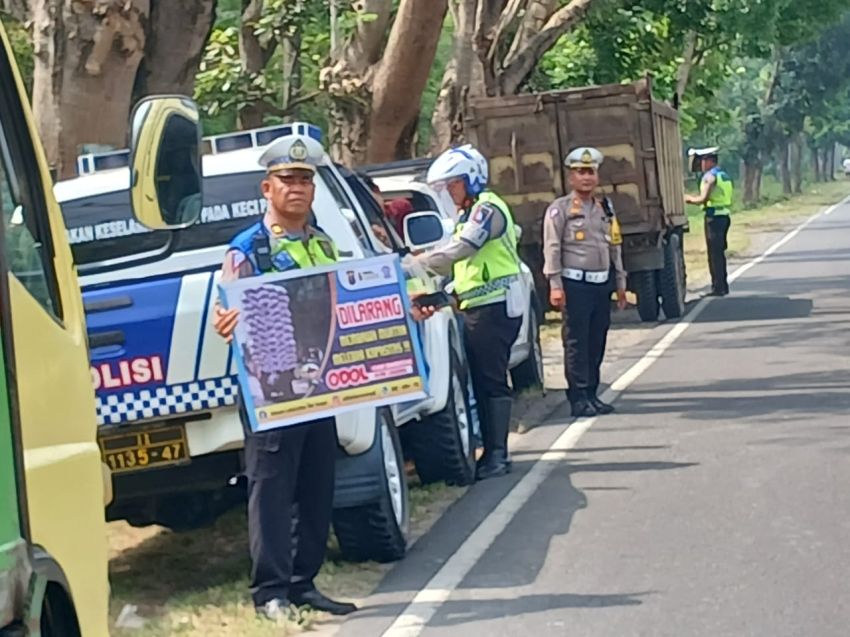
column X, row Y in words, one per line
column 293, row 465
column 581, row 251
column 716, row 196
column 482, row 257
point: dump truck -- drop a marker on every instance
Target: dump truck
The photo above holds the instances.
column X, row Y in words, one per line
column 526, row 137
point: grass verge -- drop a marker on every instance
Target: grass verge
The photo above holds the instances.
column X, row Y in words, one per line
column 196, row 583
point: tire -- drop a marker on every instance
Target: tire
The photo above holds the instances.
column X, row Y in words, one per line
column 529, row 373
column 442, row 446
column 58, row 616
column 672, row 285
column 647, row 295
column 378, row 530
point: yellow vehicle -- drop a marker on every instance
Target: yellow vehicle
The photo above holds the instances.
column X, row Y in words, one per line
column 53, row 486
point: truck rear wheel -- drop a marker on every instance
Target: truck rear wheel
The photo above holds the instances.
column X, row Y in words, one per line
column 644, row 286
column 378, row 530
column 442, row 446
column 672, row 282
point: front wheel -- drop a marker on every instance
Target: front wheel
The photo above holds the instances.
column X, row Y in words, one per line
column 442, row 445
column 378, row 530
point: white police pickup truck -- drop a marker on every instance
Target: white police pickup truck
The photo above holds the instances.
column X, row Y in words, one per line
column 162, row 374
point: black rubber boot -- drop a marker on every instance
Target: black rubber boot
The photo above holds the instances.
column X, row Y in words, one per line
column 495, row 461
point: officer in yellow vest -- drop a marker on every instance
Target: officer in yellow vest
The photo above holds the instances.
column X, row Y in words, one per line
column 582, row 251
column 294, row 465
column 715, row 197
column 482, row 256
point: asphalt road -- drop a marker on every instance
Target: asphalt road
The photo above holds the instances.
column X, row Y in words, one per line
column 715, row 502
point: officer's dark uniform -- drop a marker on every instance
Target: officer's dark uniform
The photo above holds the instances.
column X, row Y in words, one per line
column 289, row 470
column 293, row 465
column 582, row 252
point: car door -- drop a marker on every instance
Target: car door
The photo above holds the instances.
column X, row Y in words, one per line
column 55, row 400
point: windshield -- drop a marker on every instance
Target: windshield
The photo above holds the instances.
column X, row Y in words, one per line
column 101, row 227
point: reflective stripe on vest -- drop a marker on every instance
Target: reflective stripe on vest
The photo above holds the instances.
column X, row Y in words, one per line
column 484, row 277
column 720, row 200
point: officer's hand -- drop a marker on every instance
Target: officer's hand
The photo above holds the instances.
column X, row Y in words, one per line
column 422, row 313
column 621, row 300
column 224, row 322
column 557, row 298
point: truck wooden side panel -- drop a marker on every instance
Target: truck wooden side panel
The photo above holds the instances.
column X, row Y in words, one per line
column 526, row 137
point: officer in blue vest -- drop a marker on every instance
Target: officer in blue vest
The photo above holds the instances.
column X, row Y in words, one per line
column 294, row 465
column 716, row 196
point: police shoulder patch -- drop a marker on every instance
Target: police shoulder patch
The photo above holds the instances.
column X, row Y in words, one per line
column 482, row 212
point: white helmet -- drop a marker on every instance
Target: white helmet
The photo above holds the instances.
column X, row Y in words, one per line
column 465, row 163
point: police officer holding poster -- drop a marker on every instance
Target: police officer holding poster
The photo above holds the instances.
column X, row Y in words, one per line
column 292, row 465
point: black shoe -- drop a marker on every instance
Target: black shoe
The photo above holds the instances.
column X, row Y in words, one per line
column 496, row 462
column 583, row 409
column 602, row 407
column 317, row 601
column 276, row 610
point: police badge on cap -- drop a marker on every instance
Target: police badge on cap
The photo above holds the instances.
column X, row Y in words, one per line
column 292, row 152
column 584, row 157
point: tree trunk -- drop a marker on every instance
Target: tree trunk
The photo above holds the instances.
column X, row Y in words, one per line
column 176, row 35
column 757, row 182
column 408, row 140
column 253, row 56
column 514, row 74
column 86, row 60
column 683, row 73
column 784, row 169
column 816, row 164
column 462, row 79
column 348, row 82
column 402, row 75
column 291, row 71
column 829, row 163
column 19, row 10
column 797, row 164
column 752, row 182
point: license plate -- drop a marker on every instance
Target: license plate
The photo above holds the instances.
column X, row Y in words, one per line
column 145, row 449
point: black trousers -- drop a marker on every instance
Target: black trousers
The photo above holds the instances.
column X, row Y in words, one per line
column 489, row 335
column 586, row 319
column 290, row 475
column 716, row 231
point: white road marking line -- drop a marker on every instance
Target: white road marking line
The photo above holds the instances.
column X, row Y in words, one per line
column 832, row 209
column 427, row 601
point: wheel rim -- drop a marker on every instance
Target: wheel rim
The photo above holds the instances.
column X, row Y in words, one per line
column 461, row 413
column 537, row 349
column 392, row 471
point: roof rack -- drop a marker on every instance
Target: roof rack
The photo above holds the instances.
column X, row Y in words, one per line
column 90, row 163
column 258, row 137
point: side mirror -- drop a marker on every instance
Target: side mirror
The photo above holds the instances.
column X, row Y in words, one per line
column 423, row 230
column 165, row 162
